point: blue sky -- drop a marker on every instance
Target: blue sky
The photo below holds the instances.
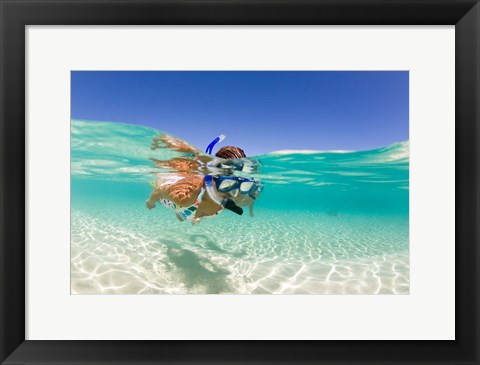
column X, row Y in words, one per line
column 258, row 111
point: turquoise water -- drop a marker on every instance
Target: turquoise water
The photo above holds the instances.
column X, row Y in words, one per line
column 326, row 223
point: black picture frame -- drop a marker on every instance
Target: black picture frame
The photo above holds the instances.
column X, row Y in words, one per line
column 16, row 14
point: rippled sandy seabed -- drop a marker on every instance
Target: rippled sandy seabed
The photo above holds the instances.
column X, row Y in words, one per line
column 258, row 255
column 326, row 223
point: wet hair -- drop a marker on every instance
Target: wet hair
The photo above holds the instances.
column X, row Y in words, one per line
column 230, row 152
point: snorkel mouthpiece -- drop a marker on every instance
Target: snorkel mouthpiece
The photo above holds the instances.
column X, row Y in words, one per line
column 230, row 205
column 212, row 144
column 225, row 203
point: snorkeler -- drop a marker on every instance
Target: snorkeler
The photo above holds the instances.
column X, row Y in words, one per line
column 193, row 195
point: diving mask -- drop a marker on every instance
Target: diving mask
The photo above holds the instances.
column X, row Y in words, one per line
column 227, row 184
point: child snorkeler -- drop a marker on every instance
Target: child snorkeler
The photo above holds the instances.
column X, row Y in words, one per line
column 193, row 192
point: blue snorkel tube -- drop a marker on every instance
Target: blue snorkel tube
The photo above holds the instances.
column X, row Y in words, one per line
column 212, row 144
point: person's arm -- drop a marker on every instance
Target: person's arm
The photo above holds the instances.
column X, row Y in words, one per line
column 157, row 194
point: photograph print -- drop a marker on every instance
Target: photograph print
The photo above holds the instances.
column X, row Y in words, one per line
column 239, row 182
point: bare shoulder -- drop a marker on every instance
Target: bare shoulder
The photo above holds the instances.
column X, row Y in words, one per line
column 185, row 191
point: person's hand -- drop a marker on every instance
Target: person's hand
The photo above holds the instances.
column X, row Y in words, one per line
column 149, row 204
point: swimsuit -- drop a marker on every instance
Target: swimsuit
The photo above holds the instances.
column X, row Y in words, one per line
column 185, row 213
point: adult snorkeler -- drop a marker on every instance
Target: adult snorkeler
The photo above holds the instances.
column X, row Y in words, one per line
column 194, row 195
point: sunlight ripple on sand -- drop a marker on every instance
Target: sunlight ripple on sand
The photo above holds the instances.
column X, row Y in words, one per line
column 236, row 255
